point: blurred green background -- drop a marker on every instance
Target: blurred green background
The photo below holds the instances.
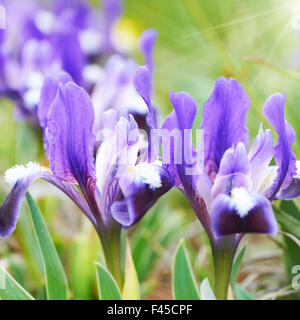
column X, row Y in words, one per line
column 257, row 43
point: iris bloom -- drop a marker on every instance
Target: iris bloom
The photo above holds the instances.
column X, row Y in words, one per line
column 66, row 35
column 114, row 184
column 231, row 192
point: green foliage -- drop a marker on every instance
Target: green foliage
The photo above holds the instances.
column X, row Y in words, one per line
column 56, row 281
column 183, row 279
column 10, row 289
column 106, row 284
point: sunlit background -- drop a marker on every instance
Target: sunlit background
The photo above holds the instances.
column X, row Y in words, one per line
column 257, row 43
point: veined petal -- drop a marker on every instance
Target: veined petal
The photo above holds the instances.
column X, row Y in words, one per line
column 224, row 121
column 141, row 188
column 20, row 178
column 260, row 156
column 243, row 212
column 284, row 156
column 71, row 139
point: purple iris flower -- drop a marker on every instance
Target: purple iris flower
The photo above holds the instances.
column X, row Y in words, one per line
column 232, row 189
column 115, row 187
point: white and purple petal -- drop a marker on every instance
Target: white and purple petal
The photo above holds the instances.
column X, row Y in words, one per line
column 20, row 178
column 242, row 212
column 141, row 188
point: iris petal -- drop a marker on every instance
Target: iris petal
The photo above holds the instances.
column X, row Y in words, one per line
column 284, row 156
column 141, row 188
column 20, row 178
column 224, row 121
column 250, row 214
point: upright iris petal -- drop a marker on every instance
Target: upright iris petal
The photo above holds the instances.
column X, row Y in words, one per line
column 284, row 156
column 224, row 121
column 71, row 139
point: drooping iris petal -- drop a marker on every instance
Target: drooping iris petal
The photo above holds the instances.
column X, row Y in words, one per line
column 146, row 45
column 224, row 121
column 20, row 178
column 234, row 171
column 284, row 156
column 243, row 212
column 141, row 188
column 69, row 134
column 260, row 155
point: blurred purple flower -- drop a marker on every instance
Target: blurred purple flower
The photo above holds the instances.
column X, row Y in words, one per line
column 64, row 35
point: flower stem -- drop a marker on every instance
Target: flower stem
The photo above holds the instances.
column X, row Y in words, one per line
column 111, row 244
column 223, row 253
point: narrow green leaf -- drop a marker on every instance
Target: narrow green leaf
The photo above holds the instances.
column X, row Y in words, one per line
column 237, row 263
column 288, row 222
column 183, row 279
column 56, row 281
column 242, row 294
column 108, row 288
column 10, row 289
column 131, row 289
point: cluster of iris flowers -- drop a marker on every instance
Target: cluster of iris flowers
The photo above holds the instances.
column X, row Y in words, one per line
column 63, row 69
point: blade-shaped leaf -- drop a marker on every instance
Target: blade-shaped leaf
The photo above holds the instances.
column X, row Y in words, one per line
column 242, row 294
column 131, row 289
column 206, row 291
column 10, row 289
column 288, row 216
column 56, row 281
column 237, row 263
column 108, row 288
column 183, row 279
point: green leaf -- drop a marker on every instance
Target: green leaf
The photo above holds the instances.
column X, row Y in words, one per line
column 183, row 279
column 242, row 294
column 108, row 288
column 288, row 222
column 288, row 216
column 10, row 289
column 56, row 281
column 237, row 263
column 131, row 289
